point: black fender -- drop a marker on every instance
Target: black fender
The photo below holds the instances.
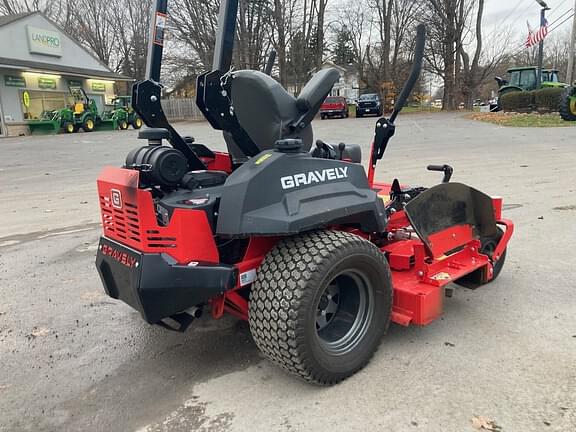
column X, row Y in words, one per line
column 279, row 193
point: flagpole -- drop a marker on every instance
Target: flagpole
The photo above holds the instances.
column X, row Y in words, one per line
column 541, row 45
column 570, row 71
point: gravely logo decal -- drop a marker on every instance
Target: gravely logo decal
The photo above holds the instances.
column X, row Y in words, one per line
column 310, row 177
column 119, row 256
column 116, row 198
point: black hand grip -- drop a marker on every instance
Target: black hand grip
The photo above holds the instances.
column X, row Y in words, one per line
column 414, row 73
column 446, row 169
column 270, row 63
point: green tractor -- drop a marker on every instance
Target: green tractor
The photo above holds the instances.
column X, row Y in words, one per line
column 51, row 122
column 568, row 104
column 122, row 114
column 526, row 79
column 81, row 114
column 85, row 112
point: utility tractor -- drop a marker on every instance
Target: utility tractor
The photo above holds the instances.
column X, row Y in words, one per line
column 122, row 114
column 294, row 236
column 526, row 79
column 84, row 110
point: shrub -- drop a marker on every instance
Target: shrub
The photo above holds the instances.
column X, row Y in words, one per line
column 548, row 99
column 519, row 101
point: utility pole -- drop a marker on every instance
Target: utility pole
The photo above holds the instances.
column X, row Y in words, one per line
column 570, row 71
column 541, row 46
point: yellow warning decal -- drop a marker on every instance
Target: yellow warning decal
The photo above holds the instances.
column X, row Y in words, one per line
column 441, row 276
column 263, row 158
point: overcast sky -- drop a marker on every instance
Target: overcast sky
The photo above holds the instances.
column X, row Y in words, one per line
column 516, row 12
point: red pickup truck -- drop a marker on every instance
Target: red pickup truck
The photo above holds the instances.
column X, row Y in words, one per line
column 334, row 106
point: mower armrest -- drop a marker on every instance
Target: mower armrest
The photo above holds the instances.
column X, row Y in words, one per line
column 314, row 93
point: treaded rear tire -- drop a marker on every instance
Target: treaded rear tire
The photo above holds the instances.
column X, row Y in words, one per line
column 565, row 111
column 285, row 296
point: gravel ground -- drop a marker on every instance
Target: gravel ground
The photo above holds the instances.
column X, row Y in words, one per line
column 73, row 359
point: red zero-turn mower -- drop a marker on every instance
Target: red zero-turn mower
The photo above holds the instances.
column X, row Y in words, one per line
column 303, row 244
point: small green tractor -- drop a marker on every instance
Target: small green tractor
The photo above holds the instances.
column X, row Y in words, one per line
column 81, row 114
column 50, row 122
column 122, row 114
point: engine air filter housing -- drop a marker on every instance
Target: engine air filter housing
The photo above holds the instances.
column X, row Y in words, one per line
column 159, row 165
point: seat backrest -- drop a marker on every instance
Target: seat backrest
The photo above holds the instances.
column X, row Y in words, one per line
column 267, row 112
column 78, row 108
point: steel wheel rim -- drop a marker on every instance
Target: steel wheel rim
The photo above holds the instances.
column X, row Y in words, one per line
column 89, row 124
column 344, row 312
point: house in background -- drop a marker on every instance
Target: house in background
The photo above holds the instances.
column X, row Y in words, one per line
column 349, row 83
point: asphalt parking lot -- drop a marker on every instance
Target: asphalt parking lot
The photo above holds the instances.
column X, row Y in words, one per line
column 72, row 359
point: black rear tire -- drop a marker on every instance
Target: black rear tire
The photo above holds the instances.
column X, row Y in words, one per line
column 320, row 305
column 567, row 107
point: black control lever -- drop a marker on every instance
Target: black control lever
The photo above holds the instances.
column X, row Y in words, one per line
column 446, row 169
column 270, row 62
column 385, row 128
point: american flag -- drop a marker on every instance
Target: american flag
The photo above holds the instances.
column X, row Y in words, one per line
column 535, row 37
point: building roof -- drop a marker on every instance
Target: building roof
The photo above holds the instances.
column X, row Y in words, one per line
column 34, row 66
column 7, row 19
column 39, row 66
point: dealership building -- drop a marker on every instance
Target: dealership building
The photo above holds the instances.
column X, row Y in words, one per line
column 38, row 62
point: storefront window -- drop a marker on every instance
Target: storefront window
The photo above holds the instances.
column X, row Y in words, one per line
column 43, row 101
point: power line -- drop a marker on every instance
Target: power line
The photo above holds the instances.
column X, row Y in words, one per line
column 510, row 14
column 557, row 7
column 520, row 48
column 549, row 31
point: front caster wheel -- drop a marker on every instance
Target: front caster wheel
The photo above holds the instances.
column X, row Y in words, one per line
column 320, row 305
column 478, row 277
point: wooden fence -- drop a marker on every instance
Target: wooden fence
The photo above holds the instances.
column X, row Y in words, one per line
column 181, row 109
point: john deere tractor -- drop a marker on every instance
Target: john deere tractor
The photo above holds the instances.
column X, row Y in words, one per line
column 568, row 104
column 121, row 115
column 52, row 121
column 85, row 111
column 526, row 79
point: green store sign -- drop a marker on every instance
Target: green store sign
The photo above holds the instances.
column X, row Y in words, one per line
column 14, row 81
column 98, row 86
column 47, row 83
column 74, row 83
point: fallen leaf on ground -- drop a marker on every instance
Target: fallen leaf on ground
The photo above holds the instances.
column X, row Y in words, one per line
column 39, row 331
column 484, row 423
column 4, row 386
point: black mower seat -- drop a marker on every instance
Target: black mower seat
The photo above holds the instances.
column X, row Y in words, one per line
column 268, row 113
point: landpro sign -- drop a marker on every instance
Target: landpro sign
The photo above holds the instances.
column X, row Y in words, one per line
column 46, row 42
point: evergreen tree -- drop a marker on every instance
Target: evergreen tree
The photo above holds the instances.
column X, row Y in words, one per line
column 342, row 52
